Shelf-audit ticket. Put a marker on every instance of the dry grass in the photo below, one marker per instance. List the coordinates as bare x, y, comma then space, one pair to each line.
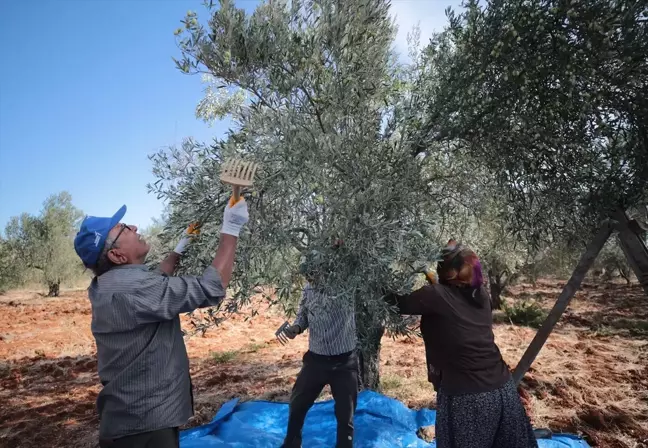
590, 378
584, 380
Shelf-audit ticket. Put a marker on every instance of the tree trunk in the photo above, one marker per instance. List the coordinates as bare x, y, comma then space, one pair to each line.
369, 355
495, 290
54, 289
626, 276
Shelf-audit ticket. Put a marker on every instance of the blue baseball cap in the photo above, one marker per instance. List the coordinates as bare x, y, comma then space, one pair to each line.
90, 240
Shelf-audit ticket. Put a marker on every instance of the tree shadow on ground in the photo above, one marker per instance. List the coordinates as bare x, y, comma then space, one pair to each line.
600, 312
51, 402
48, 402
617, 310
606, 309
246, 377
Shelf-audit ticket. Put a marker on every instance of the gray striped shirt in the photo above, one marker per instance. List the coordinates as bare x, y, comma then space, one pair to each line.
330, 322
142, 359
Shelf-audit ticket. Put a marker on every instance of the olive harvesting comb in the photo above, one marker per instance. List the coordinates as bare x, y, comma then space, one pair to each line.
239, 174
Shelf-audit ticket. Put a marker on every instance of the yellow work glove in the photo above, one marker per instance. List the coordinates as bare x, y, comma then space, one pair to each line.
192, 231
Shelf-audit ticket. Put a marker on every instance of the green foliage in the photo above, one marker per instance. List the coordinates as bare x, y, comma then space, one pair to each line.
327, 117
478, 215
44, 243
10, 273
551, 97
557, 259
474, 139
159, 245
524, 312
389, 383
319, 100
218, 102
255, 347
224, 357
612, 262
502, 253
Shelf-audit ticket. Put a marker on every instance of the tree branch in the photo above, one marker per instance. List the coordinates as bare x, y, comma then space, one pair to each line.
317, 112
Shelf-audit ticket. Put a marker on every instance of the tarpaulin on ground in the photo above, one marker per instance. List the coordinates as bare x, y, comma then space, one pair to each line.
380, 422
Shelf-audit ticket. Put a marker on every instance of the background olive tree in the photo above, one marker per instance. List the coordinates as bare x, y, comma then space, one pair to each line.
43, 245
10, 272
612, 263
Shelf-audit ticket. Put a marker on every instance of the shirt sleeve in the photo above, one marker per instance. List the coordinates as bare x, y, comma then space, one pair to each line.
422, 301
302, 312
487, 296
161, 297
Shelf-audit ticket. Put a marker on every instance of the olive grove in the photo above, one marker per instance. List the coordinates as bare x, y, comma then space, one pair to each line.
511, 130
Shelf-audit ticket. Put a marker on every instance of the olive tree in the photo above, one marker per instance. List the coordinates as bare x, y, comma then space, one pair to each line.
612, 262
317, 98
551, 95
503, 254
159, 247
478, 216
43, 243
10, 274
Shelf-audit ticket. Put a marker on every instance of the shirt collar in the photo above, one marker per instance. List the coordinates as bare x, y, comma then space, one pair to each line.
131, 266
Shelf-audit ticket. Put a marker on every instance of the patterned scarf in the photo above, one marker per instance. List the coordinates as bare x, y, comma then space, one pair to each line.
460, 267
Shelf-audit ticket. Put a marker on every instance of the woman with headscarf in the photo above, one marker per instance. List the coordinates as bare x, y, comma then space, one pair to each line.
477, 401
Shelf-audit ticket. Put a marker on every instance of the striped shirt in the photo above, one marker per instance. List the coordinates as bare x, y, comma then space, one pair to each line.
142, 359
330, 322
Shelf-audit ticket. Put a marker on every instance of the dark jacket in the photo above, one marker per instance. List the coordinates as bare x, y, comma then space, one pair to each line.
457, 329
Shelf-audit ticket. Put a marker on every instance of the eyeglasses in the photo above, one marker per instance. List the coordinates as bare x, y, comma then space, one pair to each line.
123, 227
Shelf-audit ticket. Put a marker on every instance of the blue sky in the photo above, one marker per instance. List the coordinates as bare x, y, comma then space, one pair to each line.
88, 90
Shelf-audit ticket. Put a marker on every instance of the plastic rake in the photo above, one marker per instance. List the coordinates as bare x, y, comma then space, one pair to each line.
239, 174
281, 336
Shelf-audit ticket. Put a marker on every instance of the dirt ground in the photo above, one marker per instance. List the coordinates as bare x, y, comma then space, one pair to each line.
591, 377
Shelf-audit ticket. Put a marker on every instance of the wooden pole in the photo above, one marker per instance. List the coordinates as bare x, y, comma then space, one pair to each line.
633, 247
586, 261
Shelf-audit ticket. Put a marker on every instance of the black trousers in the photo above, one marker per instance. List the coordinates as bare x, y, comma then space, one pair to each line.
341, 373
161, 438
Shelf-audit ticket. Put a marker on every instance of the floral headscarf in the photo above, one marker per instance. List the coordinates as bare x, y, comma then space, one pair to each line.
460, 266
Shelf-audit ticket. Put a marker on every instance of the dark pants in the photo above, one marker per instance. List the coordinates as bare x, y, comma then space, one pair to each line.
161, 438
341, 372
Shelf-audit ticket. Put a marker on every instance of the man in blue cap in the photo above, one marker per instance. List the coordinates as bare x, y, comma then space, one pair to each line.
142, 359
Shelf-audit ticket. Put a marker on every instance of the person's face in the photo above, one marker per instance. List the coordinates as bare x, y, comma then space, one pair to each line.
128, 247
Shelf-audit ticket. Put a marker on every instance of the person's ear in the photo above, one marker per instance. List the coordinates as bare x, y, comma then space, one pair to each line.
116, 256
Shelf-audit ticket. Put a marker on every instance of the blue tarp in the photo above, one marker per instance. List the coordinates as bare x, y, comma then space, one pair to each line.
379, 422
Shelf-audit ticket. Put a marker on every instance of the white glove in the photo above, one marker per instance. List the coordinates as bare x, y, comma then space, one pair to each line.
192, 231
235, 218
